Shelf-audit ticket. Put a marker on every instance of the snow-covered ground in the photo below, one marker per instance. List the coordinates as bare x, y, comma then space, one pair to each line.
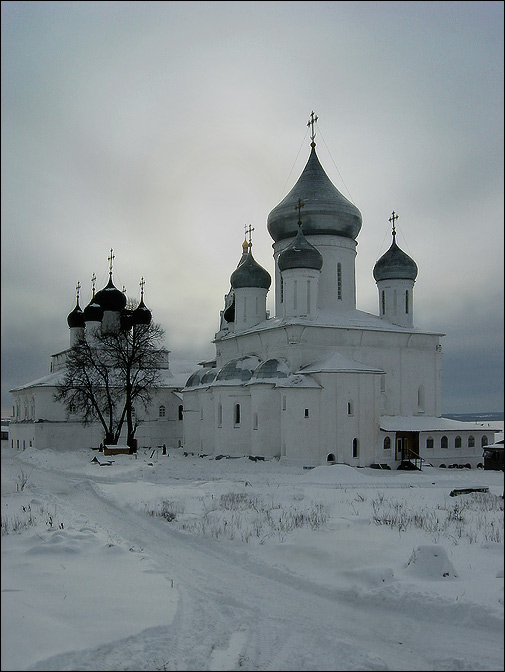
156, 562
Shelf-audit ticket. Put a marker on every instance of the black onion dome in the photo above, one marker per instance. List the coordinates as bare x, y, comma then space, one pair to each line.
300, 254
110, 298
93, 312
326, 211
250, 274
142, 314
76, 317
126, 319
394, 265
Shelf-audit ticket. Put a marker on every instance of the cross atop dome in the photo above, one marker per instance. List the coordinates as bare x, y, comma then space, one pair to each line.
299, 207
93, 283
111, 259
77, 288
142, 283
311, 122
392, 219
248, 231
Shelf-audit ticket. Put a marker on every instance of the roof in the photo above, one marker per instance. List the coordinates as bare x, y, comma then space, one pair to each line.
421, 423
343, 319
338, 363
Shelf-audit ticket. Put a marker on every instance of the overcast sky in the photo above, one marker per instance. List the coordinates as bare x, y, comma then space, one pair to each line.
161, 129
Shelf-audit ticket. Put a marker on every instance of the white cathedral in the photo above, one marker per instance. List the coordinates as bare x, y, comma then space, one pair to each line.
319, 382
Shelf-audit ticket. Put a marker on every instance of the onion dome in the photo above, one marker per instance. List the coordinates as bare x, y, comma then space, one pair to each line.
395, 264
229, 313
111, 298
93, 312
126, 319
250, 274
300, 254
142, 314
326, 210
76, 317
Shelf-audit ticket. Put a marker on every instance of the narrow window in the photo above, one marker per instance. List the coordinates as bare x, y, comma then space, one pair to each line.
306, 412
429, 443
471, 441
237, 414
201, 413
180, 411
161, 411
257, 306
383, 302
444, 443
387, 443
255, 421
295, 294
355, 448
282, 290
420, 399
245, 308
350, 410
394, 302
308, 296
407, 301
457, 442
383, 383
219, 414
284, 402
339, 281
484, 441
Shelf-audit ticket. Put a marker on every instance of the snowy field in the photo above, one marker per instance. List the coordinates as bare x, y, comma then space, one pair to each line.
160, 562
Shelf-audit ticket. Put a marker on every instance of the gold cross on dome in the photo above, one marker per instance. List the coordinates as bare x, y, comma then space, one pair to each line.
248, 231
299, 207
393, 219
311, 122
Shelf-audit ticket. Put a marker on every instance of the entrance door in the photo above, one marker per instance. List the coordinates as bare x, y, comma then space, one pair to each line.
402, 447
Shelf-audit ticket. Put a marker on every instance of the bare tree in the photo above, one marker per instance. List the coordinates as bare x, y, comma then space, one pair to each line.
105, 376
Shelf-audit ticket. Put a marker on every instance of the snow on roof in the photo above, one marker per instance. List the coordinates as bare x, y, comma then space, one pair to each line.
336, 362
167, 379
421, 423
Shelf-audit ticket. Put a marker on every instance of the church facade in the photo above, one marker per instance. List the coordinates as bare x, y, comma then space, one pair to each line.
321, 381
39, 421
318, 382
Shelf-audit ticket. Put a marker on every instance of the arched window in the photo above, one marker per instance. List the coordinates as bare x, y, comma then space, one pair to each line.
471, 441
457, 442
429, 442
237, 414
407, 301
383, 302
339, 281
387, 443
444, 442
255, 421
181, 410
330, 458
161, 411
355, 447
484, 441
282, 290
219, 414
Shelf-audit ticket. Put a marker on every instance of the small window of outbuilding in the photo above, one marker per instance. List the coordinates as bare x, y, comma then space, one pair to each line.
161, 411
444, 442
